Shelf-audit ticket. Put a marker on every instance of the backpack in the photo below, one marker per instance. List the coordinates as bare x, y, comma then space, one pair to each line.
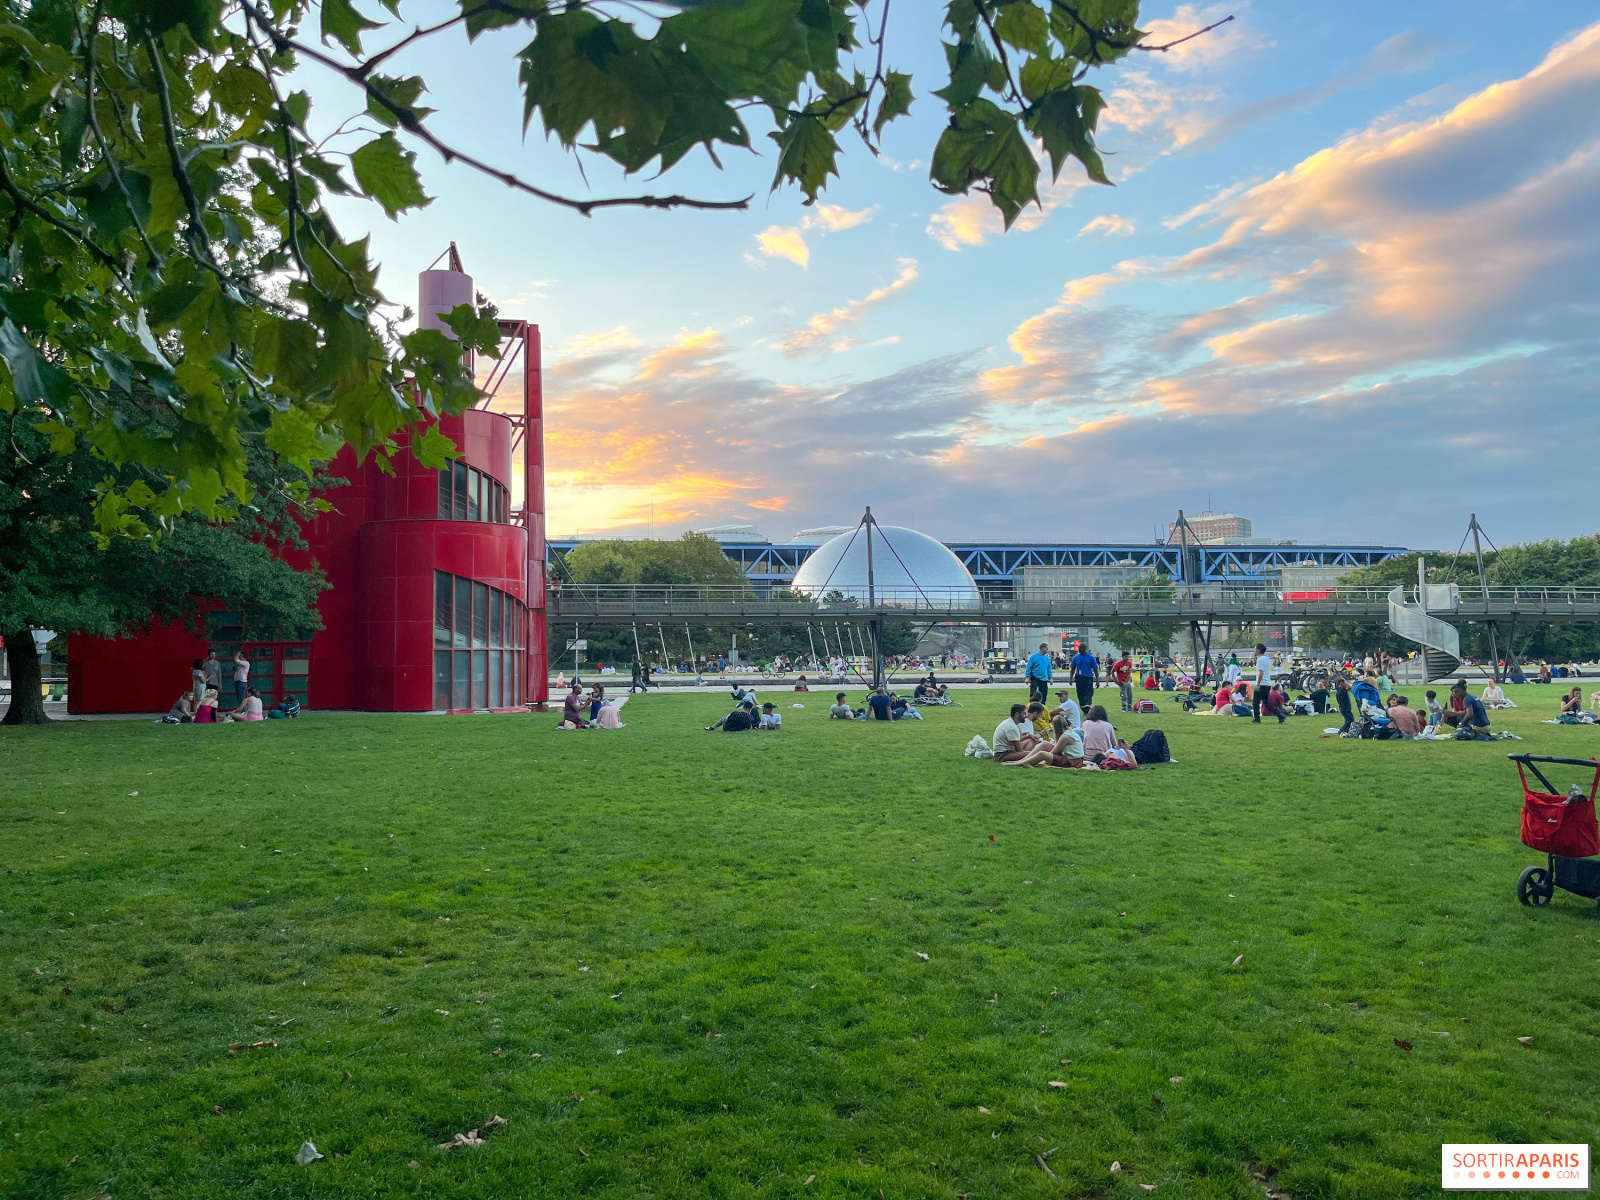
1151, 748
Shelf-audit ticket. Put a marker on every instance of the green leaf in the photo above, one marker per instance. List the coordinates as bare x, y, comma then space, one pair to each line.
433, 449
294, 437
239, 91
286, 352
344, 24
983, 145
74, 123
1024, 26
896, 100
404, 92
807, 153
155, 17
387, 172
497, 14
32, 378
1064, 121
479, 331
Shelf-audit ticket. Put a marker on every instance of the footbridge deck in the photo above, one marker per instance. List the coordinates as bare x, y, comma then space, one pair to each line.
624, 604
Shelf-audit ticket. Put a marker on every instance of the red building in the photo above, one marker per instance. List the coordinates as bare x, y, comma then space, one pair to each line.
437, 583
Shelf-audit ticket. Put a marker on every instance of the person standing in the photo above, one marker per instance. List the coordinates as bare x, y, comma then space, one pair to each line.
1341, 693
1122, 672
197, 681
213, 672
1039, 673
1085, 673
1234, 672
637, 684
1263, 685
241, 674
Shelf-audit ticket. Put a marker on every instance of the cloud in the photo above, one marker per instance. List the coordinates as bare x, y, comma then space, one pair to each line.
1404, 52
814, 335
788, 241
1408, 250
1109, 224
1429, 286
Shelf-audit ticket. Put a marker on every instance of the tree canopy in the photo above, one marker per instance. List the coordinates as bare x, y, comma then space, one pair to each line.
175, 289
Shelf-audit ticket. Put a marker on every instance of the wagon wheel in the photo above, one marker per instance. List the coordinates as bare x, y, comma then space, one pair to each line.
1534, 886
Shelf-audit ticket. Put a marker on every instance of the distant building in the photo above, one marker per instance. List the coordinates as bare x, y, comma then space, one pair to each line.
819, 534
1211, 527
738, 534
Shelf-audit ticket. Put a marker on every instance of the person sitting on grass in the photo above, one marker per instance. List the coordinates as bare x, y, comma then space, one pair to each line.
1571, 703
181, 712
1241, 705
841, 710
882, 707
1014, 737
1275, 704
1099, 736
572, 709
206, 714
1406, 719
1435, 709
609, 718
1493, 697
801, 685
1224, 704
901, 708
1041, 720
1472, 717
287, 710
771, 718
1066, 714
250, 707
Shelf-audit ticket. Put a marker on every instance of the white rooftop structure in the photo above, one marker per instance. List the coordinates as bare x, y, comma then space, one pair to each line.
907, 568
733, 533
819, 534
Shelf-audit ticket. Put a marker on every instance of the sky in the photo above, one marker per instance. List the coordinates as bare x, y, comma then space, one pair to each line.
1347, 284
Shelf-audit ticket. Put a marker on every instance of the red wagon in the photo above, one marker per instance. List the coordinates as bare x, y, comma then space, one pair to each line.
1564, 827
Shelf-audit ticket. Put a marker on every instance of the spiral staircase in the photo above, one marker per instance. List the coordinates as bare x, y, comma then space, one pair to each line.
1440, 642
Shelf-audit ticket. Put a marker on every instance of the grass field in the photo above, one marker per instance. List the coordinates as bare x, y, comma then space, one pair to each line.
691, 965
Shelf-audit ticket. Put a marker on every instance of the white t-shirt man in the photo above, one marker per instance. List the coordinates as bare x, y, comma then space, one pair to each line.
241, 670
842, 712
1008, 735
1264, 669
771, 720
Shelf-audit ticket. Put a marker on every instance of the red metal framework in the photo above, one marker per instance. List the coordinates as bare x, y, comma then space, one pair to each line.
528, 426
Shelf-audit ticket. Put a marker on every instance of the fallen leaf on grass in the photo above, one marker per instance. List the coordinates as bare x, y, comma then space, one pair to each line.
991, 836
583, 1152
290, 1021
1238, 960
538, 1056
133, 793
1438, 1033
1066, 1062
414, 1165
576, 1095
307, 1153
809, 1180
72, 1160
497, 1119
920, 955
1402, 1045
443, 1012
983, 1110
1147, 1187
216, 1110
1044, 1166
1527, 1041
1057, 1083
996, 999
240, 1047
1176, 1079
1116, 1168
583, 968
36, 971
66, 991
469, 1138
1157, 1100
496, 1051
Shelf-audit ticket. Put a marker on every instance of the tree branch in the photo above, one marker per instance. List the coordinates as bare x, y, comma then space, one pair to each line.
198, 239
24, 203
1186, 37
91, 72
408, 121
371, 65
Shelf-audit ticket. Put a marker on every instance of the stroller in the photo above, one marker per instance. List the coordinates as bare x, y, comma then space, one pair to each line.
1564, 827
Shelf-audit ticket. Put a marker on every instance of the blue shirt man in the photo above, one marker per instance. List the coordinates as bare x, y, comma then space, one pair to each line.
1039, 672
1085, 667
880, 705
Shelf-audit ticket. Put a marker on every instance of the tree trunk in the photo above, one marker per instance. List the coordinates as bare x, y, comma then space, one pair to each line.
27, 705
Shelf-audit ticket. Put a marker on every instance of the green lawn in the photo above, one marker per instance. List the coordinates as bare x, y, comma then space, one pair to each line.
682, 964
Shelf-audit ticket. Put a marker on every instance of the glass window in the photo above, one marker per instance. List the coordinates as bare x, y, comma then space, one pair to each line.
499, 504
480, 614
513, 623
460, 693
480, 679
441, 679
496, 618
474, 496
446, 489
459, 507
516, 679
494, 679
443, 589
463, 612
